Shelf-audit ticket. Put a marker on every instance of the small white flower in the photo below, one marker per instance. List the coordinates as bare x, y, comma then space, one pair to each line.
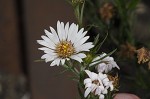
68, 42
97, 84
106, 64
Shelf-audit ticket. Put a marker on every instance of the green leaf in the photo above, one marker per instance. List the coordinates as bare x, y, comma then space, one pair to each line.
71, 68
74, 78
132, 4
97, 47
96, 40
80, 92
81, 14
62, 72
40, 60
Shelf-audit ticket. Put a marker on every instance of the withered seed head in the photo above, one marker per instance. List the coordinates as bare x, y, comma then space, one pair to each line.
143, 55
127, 50
107, 11
114, 79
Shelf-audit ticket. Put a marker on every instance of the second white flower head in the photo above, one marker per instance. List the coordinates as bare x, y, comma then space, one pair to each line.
106, 64
68, 42
98, 84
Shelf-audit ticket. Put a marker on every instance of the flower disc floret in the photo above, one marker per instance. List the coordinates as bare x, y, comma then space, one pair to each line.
65, 49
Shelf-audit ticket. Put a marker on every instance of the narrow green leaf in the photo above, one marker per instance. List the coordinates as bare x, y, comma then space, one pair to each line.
40, 60
96, 40
132, 4
81, 14
62, 72
80, 92
74, 78
97, 47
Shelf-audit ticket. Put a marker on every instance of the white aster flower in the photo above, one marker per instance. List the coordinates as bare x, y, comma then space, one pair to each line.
106, 64
98, 84
68, 42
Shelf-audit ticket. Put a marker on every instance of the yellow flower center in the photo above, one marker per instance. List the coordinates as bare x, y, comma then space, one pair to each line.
64, 49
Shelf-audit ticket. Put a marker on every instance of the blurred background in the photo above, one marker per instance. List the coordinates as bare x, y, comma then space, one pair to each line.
22, 23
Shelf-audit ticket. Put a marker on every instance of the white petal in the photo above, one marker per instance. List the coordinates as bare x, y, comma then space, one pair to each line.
45, 38
75, 57
49, 34
59, 30
87, 91
45, 48
48, 59
111, 87
88, 72
115, 65
62, 61
108, 68
74, 34
101, 96
71, 29
80, 42
55, 62
101, 67
63, 31
66, 29
98, 91
52, 38
84, 47
92, 75
105, 91
93, 87
95, 59
41, 42
81, 55
62, 24
101, 87
81, 31
88, 85
47, 56
87, 80
48, 51
58, 61
55, 36
79, 37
